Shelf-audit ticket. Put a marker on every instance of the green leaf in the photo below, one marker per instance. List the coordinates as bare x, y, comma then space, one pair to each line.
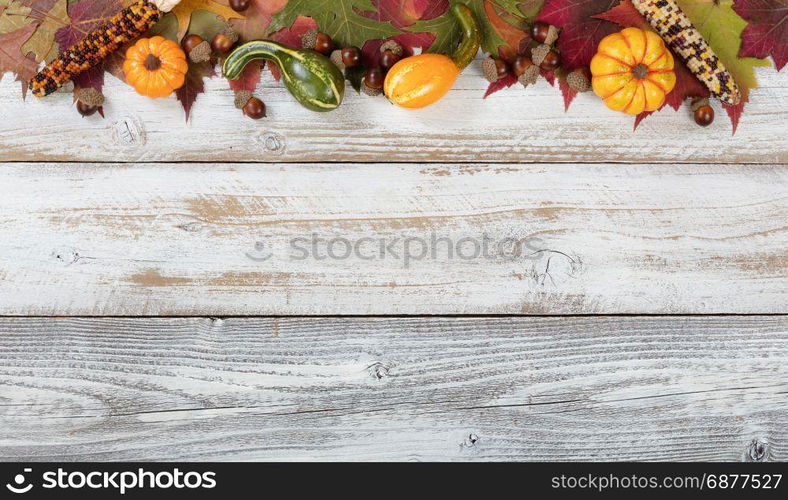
341, 19
722, 28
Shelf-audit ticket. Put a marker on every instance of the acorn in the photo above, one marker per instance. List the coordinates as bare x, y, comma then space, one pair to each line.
239, 5
544, 33
190, 42
351, 56
254, 109
388, 59
579, 80
702, 111
323, 44
545, 57
521, 64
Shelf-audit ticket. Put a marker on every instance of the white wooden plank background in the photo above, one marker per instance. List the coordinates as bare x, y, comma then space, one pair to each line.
654, 388
514, 125
693, 222
176, 239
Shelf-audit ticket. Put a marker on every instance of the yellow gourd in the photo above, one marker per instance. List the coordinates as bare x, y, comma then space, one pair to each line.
155, 67
418, 81
632, 71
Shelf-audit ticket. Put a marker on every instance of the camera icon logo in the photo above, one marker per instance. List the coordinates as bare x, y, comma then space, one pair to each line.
19, 483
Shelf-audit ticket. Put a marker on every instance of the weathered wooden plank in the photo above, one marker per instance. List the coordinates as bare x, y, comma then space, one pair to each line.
515, 125
574, 388
185, 239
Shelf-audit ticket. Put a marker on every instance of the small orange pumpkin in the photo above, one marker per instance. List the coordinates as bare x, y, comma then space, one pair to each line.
632, 71
155, 66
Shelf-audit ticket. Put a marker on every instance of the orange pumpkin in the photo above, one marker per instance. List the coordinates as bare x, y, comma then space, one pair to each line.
632, 71
155, 66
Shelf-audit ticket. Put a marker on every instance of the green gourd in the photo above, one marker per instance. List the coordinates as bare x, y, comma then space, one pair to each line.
315, 81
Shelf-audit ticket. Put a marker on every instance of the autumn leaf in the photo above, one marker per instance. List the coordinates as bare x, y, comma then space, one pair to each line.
183, 12
51, 15
257, 19
194, 86
11, 57
341, 19
767, 31
581, 32
501, 24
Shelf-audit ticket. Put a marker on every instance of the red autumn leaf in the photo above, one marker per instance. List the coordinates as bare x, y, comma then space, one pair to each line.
767, 31
501, 84
195, 85
249, 79
581, 32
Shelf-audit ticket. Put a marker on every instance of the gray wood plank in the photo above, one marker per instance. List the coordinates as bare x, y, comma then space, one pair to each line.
514, 125
182, 239
540, 388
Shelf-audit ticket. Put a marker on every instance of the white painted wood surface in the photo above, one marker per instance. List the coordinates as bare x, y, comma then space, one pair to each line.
597, 388
180, 239
514, 125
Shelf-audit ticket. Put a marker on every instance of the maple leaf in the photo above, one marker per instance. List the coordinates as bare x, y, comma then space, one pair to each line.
183, 12
11, 57
401, 14
195, 85
581, 32
343, 20
52, 15
767, 31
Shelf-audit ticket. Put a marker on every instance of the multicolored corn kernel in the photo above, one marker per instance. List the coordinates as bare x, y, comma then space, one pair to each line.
675, 28
127, 25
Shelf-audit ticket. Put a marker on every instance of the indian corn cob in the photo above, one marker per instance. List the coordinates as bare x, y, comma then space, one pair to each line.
667, 18
128, 24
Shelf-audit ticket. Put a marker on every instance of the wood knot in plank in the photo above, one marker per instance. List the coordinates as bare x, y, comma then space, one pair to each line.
757, 451
128, 133
273, 143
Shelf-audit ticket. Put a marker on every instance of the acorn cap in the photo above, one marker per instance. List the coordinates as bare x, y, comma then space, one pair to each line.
201, 52
242, 97
230, 33
309, 39
552, 35
699, 102
578, 81
539, 53
89, 96
336, 58
490, 70
392, 46
370, 91
530, 76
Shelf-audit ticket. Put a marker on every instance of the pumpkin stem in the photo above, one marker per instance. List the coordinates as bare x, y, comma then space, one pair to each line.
152, 63
640, 71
